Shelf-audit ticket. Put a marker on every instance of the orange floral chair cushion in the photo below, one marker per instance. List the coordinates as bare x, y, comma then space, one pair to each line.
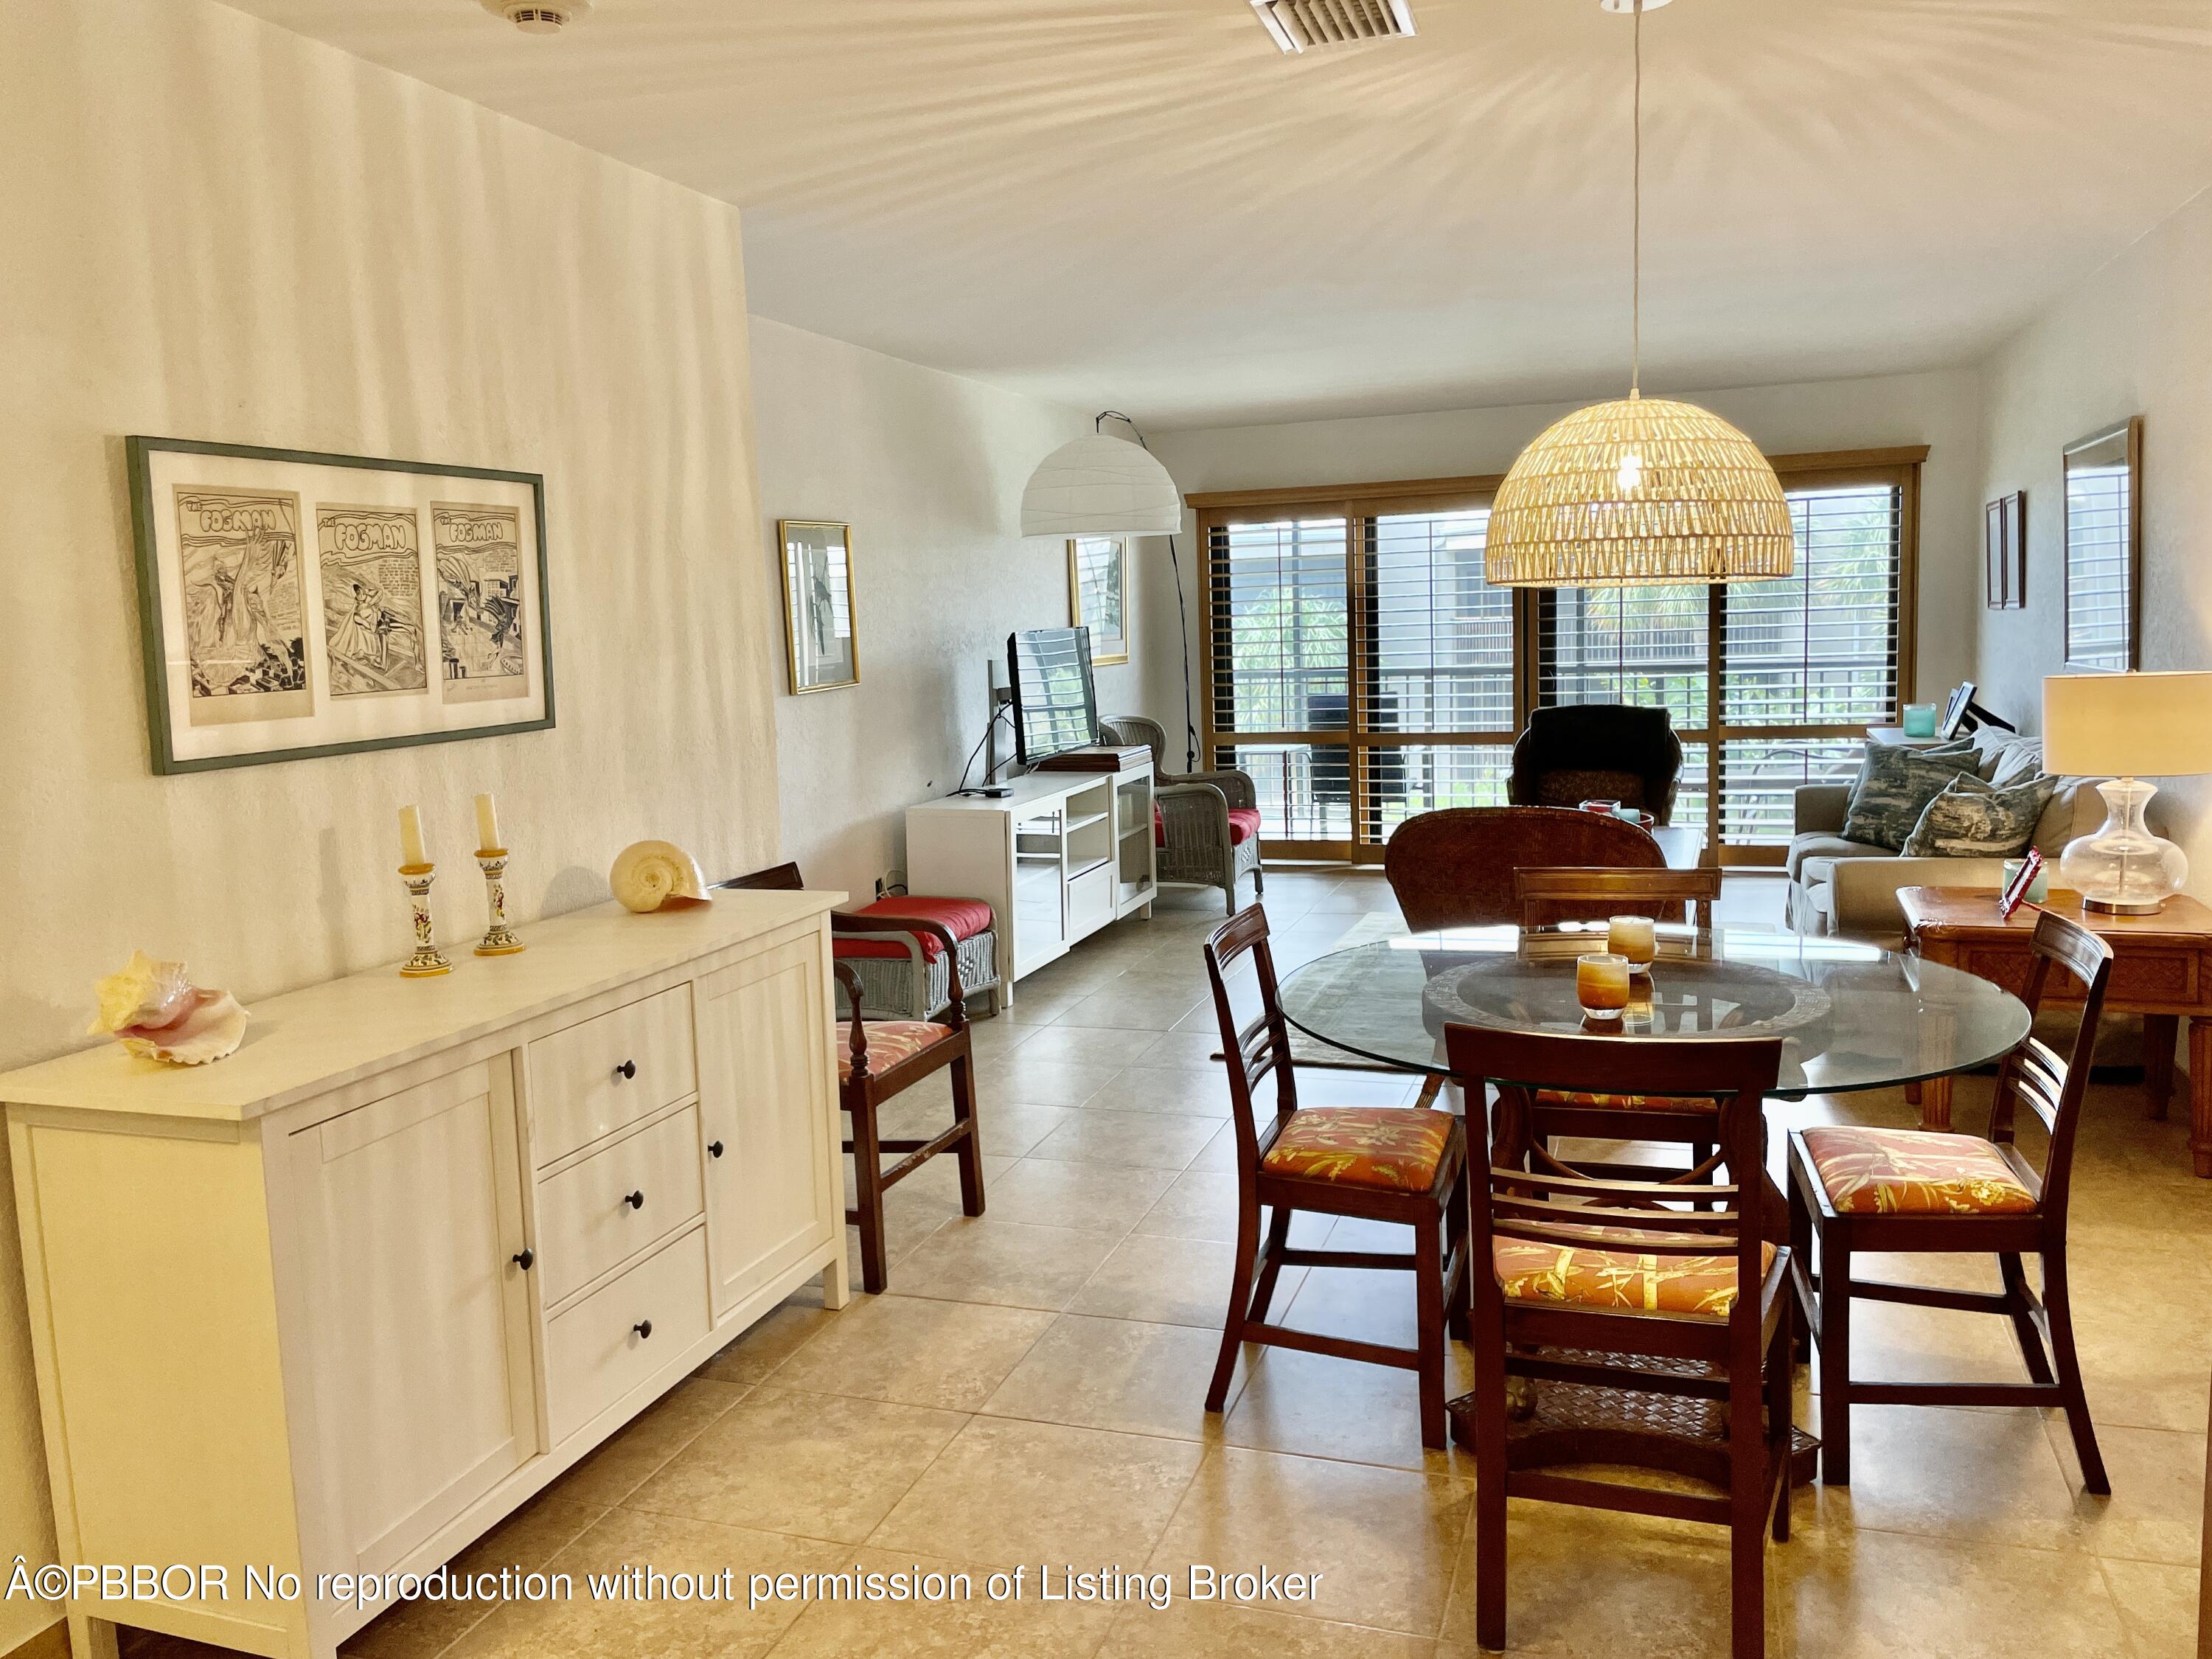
1702, 1287
1395, 1148
1626, 1102
890, 1042
1913, 1172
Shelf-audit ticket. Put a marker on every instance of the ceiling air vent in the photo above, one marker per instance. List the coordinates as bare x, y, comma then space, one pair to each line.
1295, 25
539, 16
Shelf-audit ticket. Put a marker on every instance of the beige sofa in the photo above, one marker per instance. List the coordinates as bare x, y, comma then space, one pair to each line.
1850, 888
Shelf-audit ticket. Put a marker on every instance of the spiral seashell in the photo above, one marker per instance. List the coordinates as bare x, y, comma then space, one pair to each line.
153, 1010
656, 875
144, 993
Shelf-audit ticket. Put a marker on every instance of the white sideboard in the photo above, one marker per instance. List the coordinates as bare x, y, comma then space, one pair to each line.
340, 1301
1061, 855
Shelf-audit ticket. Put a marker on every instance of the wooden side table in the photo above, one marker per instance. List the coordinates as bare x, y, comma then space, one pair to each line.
2162, 970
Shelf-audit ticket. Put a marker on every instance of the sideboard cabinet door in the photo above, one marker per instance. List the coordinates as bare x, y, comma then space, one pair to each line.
410, 1215
766, 1101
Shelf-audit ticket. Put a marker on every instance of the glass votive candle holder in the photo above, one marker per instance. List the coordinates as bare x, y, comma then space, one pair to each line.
1601, 985
1920, 720
1634, 937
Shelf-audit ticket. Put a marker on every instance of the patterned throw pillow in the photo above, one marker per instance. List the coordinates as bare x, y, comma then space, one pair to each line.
1894, 787
1971, 820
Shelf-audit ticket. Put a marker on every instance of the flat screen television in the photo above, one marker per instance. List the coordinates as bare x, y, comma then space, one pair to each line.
1056, 705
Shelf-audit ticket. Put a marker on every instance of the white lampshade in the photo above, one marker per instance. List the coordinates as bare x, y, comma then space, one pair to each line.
1101, 486
2127, 726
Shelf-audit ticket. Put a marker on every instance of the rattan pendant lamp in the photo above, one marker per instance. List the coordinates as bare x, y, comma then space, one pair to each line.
1642, 490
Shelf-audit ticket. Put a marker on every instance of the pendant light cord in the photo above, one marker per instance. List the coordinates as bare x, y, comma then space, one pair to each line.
1636, 223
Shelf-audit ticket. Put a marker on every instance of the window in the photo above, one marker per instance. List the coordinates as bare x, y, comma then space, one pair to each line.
1362, 672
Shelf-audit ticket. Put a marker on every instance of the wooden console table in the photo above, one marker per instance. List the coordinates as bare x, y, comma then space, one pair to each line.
2162, 970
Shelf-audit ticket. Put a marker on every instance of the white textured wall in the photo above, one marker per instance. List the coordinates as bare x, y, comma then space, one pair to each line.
928, 468
2135, 339
1942, 410
220, 230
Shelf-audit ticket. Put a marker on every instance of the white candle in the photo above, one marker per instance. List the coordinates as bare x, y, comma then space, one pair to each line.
488, 839
410, 837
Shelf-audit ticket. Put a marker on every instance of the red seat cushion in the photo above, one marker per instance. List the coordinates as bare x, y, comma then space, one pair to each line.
1243, 824
960, 917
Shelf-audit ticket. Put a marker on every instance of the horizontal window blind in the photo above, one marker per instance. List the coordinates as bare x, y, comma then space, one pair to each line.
2097, 512
1442, 641
1648, 646
1819, 647
1278, 608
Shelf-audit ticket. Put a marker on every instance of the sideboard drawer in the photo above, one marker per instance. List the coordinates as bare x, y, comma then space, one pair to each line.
591, 1079
616, 1202
617, 1337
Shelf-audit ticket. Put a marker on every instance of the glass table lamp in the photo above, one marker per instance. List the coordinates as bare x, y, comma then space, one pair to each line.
2135, 725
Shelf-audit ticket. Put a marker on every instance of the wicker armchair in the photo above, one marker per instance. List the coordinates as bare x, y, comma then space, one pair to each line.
1206, 823
902, 971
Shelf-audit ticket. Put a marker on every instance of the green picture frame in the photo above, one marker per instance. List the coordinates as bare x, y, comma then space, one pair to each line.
294, 604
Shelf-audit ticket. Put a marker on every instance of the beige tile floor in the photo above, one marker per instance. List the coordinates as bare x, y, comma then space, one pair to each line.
1029, 1391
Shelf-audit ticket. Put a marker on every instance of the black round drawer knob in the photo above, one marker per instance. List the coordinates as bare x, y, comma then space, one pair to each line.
627, 1070
644, 1328
714, 1149
525, 1258
635, 1200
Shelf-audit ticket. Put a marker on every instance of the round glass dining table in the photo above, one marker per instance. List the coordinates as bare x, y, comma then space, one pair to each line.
1850, 1016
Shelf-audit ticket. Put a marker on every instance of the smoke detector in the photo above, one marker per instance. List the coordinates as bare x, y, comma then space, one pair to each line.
539, 16
1296, 25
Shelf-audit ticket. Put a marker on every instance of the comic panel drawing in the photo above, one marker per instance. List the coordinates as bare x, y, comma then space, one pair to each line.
481, 646
370, 563
245, 624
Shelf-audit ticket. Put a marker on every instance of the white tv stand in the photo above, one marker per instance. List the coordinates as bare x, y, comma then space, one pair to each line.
1059, 856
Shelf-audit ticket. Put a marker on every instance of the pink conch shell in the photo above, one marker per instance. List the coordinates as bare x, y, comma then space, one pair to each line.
158, 1013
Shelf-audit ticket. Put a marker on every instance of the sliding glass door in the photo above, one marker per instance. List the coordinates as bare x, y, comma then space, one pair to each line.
1362, 672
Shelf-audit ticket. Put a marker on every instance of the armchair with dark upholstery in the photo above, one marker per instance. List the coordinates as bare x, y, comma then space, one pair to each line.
1206, 824
1597, 750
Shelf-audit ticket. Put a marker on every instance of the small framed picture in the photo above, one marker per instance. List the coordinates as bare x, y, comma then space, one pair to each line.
823, 652
1098, 594
293, 604
2004, 550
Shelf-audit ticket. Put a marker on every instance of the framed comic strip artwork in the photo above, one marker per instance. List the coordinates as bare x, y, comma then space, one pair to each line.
821, 634
1098, 594
293, 604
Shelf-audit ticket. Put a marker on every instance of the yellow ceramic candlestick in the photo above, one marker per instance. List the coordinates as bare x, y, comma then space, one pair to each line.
427, 960
498, 940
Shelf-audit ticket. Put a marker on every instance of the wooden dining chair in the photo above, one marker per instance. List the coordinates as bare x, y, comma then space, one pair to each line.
1455, 868
1655, 1318
1551, 894
1392, 1164
1854, 1190
879, 1059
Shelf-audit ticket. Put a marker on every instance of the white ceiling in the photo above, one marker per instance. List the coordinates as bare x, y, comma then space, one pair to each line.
1140, 202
